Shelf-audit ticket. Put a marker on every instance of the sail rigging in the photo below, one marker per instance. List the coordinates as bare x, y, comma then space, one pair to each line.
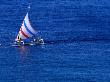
26, 30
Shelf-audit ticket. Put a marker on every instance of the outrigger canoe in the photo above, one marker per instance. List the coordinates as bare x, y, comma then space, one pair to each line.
26, 32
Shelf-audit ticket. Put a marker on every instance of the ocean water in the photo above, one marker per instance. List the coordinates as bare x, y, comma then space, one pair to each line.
76, 35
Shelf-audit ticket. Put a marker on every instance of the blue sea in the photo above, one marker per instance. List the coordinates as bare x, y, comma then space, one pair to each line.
76, 35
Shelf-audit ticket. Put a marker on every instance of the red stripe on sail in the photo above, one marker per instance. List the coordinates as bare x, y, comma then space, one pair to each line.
24, 33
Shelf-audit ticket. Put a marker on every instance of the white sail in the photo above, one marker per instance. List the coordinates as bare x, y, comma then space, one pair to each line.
26, 29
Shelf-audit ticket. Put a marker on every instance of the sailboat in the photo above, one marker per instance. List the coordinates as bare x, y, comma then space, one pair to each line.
27, 32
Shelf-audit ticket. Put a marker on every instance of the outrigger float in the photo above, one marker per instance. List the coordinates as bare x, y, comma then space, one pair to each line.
27, 32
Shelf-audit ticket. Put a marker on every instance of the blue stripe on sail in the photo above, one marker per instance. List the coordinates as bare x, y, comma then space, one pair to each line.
27, 28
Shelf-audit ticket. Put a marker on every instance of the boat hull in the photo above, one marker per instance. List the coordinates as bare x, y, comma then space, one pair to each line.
26, 44
34, 42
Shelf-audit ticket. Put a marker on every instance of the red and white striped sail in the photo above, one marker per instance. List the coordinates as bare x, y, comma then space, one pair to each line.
26, 30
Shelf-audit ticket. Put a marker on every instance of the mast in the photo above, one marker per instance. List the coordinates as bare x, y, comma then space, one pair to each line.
29, 7
26, 30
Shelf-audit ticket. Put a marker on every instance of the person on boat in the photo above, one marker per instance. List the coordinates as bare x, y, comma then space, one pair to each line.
18, 39
38, 40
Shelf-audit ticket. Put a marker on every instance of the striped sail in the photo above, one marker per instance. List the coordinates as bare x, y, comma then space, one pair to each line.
26, 30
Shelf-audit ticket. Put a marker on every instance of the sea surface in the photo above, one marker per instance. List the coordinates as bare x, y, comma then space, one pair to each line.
76, 35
